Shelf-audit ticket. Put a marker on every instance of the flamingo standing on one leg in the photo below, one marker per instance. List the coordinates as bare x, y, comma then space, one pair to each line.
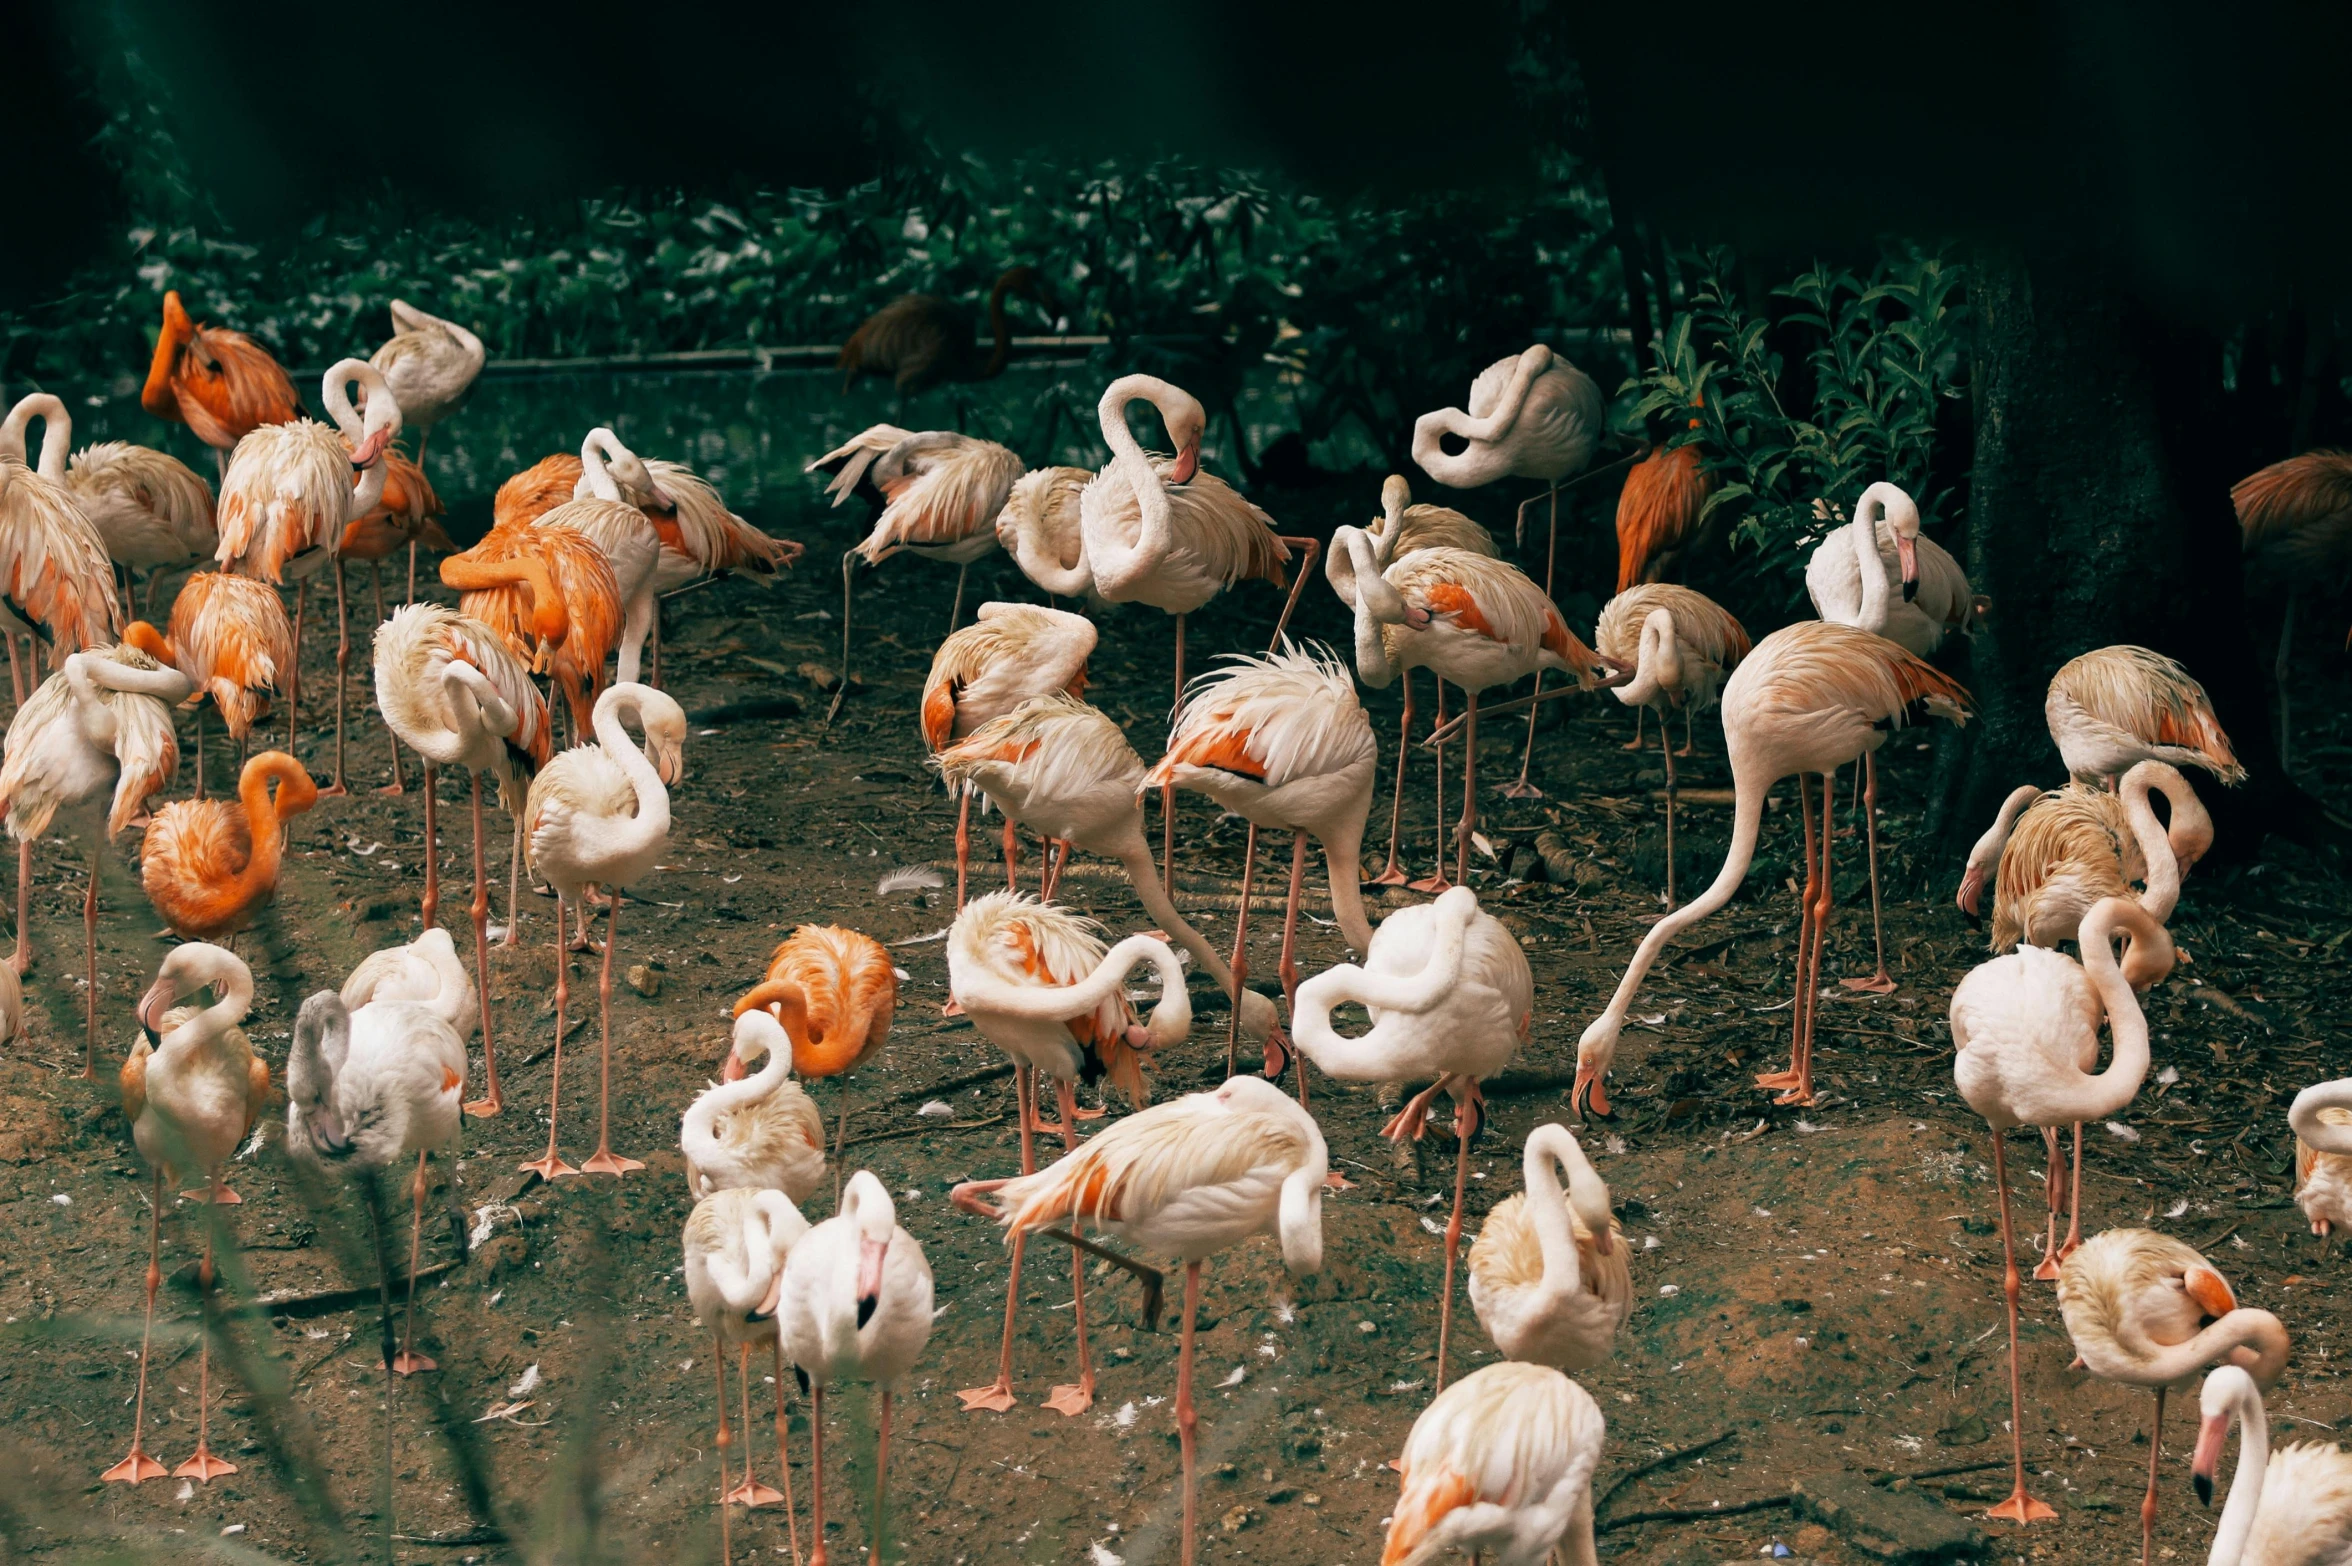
1186, 1179
56, 584
1163, 533
287, 497
2115, 707
220, 383
2296, 517
1064, 770
1536, 416
1548, 1272
1283, 742
1402, 529
2025, 1031
149, 509
1450, 996
103, 720
190, 1098
1504, 1463
432, 365
599, 815
210, 866
856, 1306
1679, 645
1039, 983
1808, 699
408, 514
2322, 1120
1007, 655
1474, 621
230, 636
2146, 1310
450, 691
737, 1241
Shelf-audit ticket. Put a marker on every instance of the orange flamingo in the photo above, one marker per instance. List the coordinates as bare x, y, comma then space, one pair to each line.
549, 593
230, 636
56, 583
209, 866
1658, 511
221, 384
920, 340
2296, 517
847, 989
286, 498
150, 510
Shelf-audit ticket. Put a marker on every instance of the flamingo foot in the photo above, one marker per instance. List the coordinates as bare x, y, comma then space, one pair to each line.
550, 1169
1800, 1094
752, 1493
481, 1108
204, 1467
1635, 743
1520, 789
133, 1469
21, 961
224, 1197
1432, 884
606, 1161
407, 1363
334, 791
996, 1398
1877, 984
581, 943
2047, 1272
2022, 1508
1071, 1400
1771, 1080
953, 1008
393, 788
1394, 875
1333, 1180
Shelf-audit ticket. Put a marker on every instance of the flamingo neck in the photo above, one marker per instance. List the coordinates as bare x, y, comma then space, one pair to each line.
1547, 1210
1362, 584
2088, 1096
2164, 869
700, 1130
1035, 553
232, 982
595, 452
1657, 669
1117, 564
651, 825
56, 433
1869, 569
475, 703
2245, 1492
2303, 1116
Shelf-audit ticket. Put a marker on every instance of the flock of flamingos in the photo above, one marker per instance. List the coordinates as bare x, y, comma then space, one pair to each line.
1499, 1466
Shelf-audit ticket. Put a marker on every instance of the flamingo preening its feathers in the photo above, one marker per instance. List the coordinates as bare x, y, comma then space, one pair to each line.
220, 383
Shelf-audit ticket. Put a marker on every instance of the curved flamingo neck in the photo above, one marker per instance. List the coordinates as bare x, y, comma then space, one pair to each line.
158, 397
2303, 1116
1657, 668
232, 982
263, 818
651, 824
2089, 1096
1547, 1211
1116, 564
1870, 572
2164, 870
1374, 600
1034, 552
600, 447
2245, 1492
56, 433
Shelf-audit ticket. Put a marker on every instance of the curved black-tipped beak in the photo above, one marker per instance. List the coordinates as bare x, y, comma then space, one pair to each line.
866, 1304
2204, 1484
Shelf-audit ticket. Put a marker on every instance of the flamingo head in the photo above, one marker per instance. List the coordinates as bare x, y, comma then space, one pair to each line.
1593, 1054
370, 449
2217, 1402
1971, 898
1186, 429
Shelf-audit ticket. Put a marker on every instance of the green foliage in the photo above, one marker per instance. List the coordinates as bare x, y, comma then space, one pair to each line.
1880, 358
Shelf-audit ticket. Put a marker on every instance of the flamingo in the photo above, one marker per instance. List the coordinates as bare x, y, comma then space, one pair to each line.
2025, 1029
1401, 529
941, 495
623, 532
56, 584
1503, 1462
1039, 983
1450, 996
1474, 621
1065, 770
450, 691
847, 994
104, 719
1548, 1273
2146, 1310
2293, 1508
1808, 699
190, 1097
287, 497
431, 365
2114, 707
856, 1306
150, 510
549, 594
922, 340
1531, 416
1282, 742
408, 514
2322, 1120
598, 815
1658, 511
737, 1241
220, 383
701, 538
1163, 533
210, 867
1040, 529
755, 1131
1187, 1179
1680, 645
1008, 654
230, 637
2296, 518
425, 971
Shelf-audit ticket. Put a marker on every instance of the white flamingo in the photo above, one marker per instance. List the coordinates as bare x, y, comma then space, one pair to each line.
1548, 1272
755, 1130
599, 509
2290, 1508
737, 1241
1502, 1461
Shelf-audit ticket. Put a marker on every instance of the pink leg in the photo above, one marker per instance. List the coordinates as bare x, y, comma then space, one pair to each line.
1436, 880
294, 675
2020, 1507
1288, 967
552, 1167
139, 1466
491, 1103
1393, 874
430, 908
784, 1457
750, 1492
342, 667
1469, 822
817, 1473
1802, 1092
726, 1440
1188, 1421
408, 1361
1806, 937
398, 785
22, 961
2148, 1502
90, 967
963, 846
1464, 1123
1878, 983
997, 1397
1308, 549
1012, 855
203, 1467
604, 1160
882, 1464
1249, 868
1168, 794
1666, 749
1079, 1398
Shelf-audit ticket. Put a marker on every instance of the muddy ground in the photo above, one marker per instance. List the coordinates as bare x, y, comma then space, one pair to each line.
1816, 1291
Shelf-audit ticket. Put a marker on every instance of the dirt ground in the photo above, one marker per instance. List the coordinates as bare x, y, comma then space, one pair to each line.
1816, 1291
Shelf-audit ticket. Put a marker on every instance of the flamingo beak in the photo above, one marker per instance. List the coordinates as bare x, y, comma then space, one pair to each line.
371, 448
1187, 464
1590, 1091
152, 1006
664, 499
1907, 556
1971, 890
2210, 1435
774, 1297
1417, 617
732, 1071
869, 1278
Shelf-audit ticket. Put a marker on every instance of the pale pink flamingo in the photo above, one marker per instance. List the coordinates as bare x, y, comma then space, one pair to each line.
1680, 645
1040, 528
1502, 1462
1039, 983
737, 1240
1548, 1272
2025, 1035
1474, 621
2291, 1508
56, 583
449, 690
754, 1130
86, 751
2296, 517
286, 498
1450, 997
2322, 1120
1282, 742
190, 1097
600, 510
856, 1306
431, 365
1008, 654
2114, 707
150, 509
1185, 1179
1810, 698
701, 538
230, 636
599, 815
2145, 1310
1064, 770
1878, 573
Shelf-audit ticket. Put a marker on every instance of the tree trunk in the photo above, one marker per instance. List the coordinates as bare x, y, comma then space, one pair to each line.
2100, 513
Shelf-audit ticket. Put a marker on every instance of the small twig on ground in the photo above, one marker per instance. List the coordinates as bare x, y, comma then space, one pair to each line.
1663, 1460
952, 1125
951, 1085
453, 1540
325, 1302
1692, 1513
1942, 1473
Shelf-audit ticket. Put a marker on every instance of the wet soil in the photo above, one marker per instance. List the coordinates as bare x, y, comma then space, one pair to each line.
1817, 1290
